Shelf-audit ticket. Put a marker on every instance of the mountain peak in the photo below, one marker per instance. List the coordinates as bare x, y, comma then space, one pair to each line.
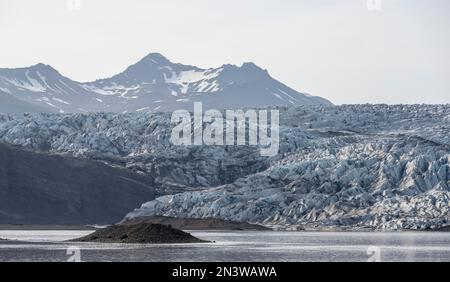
155, 58
41, 65
246, 66
43, 68
252, 67
247, 72
37, 67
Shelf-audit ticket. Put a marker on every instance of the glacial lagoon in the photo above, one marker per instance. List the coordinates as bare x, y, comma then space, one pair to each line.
238, 246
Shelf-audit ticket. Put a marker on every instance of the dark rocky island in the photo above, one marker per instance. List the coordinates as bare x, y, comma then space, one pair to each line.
196, 223
140, 233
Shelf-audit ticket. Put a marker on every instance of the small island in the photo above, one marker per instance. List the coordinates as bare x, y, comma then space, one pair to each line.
140, 233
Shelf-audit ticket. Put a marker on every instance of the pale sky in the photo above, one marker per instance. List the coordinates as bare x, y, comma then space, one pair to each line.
337, 49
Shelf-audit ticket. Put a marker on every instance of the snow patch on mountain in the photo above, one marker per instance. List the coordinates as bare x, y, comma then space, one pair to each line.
154, 78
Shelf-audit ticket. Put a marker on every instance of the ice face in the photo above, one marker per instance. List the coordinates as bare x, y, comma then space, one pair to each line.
357, 166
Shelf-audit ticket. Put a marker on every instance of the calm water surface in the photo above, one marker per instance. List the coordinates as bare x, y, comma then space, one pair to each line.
235, 246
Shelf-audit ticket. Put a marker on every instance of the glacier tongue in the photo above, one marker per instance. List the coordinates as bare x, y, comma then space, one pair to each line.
354, 166
394, 186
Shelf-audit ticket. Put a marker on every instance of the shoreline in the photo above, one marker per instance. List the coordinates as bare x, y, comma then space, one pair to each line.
12, 227
49, 227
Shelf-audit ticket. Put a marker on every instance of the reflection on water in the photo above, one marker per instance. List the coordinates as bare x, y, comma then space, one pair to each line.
236, 246
42, 235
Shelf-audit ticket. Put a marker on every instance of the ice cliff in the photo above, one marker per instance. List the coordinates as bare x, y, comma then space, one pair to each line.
352, 166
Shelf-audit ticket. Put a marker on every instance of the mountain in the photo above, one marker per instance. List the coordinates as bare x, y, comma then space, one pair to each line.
37, 188
43, 86
10, 105
152, 84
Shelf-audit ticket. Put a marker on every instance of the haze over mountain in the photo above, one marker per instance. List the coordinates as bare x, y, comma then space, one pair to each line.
152, 84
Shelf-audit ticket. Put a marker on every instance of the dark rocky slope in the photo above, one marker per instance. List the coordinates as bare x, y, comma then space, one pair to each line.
40, 188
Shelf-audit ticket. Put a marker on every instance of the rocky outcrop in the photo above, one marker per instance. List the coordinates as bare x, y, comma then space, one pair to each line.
140, 233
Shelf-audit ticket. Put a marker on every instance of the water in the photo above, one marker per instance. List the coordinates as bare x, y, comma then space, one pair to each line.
236, 246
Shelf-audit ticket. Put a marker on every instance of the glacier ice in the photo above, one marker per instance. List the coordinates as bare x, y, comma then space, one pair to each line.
350, 166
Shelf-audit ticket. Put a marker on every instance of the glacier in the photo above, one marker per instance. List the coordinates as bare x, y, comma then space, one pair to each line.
349, 167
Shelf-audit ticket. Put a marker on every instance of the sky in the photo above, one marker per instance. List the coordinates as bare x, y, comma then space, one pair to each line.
347, 51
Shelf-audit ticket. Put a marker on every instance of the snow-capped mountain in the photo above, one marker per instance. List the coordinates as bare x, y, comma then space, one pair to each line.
45, 89
152, 84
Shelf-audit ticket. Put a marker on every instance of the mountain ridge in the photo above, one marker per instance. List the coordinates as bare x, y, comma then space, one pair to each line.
153, 84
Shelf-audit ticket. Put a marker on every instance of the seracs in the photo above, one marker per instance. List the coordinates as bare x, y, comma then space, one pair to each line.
212, 129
